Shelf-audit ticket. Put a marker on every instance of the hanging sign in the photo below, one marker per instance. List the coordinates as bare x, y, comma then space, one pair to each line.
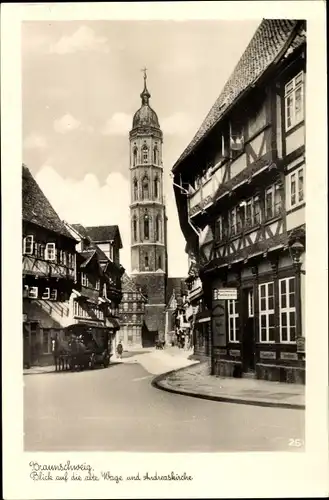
227, 294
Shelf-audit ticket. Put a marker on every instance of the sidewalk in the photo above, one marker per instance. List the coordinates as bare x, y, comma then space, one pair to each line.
34, 370
195, 381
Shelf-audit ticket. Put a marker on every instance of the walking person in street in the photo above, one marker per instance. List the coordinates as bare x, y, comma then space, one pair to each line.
119, 350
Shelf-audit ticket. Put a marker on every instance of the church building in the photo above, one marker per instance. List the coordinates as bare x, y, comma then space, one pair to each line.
148, 215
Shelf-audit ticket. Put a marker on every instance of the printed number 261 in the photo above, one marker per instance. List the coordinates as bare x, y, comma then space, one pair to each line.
296, 442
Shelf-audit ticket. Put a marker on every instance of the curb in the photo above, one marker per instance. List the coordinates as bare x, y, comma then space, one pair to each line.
156, 383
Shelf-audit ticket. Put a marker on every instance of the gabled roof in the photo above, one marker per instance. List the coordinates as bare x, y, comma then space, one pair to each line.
128, 285
271, 39
103, 234
37, 209
81, 230
87, 256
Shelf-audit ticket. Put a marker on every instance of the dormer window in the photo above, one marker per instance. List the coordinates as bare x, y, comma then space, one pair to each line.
28, 245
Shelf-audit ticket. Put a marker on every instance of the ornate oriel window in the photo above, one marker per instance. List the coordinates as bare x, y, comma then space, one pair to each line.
156, 187
145, 188
145, 154
146, 226
135, 185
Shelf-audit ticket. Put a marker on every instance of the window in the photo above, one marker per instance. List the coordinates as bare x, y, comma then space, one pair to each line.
125, 306
145, 188
250, 304
287, 310
233, 318
50, 251
84, 279
294, 101
104, 290
236, 138
146, 261
156, 187
135, 184
266, 312
42, 249
232, 221
46, 293
135, 157
46, 341
252, 212
53, 294
155, 155
215, 294
157, 228
75, 308
224, 146
33, 292
146, 227
135, 228
272, 201
296, 187
145, 154
98, 285
28, 245
134, 318
134, 306
159, 262
219, 228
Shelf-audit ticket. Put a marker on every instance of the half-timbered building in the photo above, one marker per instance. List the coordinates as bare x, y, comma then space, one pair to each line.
48, 273
244, 214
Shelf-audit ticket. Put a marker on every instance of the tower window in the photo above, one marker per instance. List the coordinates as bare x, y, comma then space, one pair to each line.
156, 187
155, 155
146, 227
145, 154
135, 189
145, 187
157, 228
135, 157
135, 228
159, 262
146, 261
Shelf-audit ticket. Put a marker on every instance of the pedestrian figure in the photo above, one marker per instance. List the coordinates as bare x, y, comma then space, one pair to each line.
119, 350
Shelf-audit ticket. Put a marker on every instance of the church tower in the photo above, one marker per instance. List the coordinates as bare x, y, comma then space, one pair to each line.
148, 214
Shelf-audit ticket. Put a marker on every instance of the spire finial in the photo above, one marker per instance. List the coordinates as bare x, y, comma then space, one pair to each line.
145, 95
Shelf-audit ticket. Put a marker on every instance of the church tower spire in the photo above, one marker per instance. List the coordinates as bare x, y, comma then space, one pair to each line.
148, 213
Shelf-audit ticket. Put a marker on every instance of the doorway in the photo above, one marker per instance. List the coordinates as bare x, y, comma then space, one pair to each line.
248, 333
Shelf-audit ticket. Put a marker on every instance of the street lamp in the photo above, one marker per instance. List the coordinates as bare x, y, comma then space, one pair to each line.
296, 250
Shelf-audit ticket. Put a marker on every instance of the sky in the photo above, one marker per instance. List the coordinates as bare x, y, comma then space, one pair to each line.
81, 85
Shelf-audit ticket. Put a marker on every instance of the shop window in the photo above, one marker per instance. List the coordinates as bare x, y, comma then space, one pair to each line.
28, 245
50, 251
296, 188
33, 292
273, 202
233, 319
294, 101
266, 312
46, 293
287, 310
46, 341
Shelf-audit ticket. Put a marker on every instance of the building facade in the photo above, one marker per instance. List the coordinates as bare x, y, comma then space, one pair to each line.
148, 214
244, 217
49, 273
132, 334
